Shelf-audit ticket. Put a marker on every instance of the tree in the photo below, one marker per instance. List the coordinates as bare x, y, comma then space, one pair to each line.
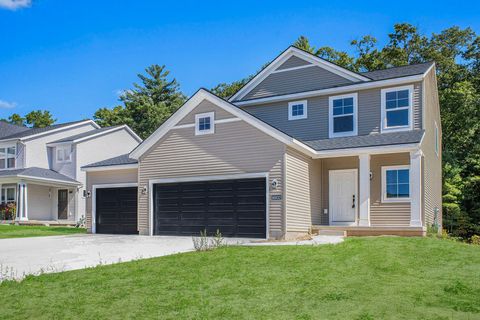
15, 119
147, 105
39, 119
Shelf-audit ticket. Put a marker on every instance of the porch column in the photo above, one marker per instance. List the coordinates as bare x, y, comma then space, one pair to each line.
22, 209
416, 188
364, 197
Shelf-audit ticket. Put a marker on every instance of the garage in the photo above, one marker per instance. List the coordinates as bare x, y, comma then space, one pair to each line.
237, 208
116, 210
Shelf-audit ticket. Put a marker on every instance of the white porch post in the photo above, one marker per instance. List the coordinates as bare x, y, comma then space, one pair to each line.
364, 198
25, 201
416, 188
20, 202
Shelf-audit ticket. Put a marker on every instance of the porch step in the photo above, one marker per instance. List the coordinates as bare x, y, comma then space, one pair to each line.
46, 223
330, 232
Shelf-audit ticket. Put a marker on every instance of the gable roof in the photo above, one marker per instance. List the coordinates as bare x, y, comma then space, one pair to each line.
97, 132
37, 131
7, 129
402, 71
284, 56
193, 102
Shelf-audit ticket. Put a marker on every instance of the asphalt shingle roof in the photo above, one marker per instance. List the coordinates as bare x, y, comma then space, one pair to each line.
7, 129
85, 134
123, 159
397, 72
372, 140
36, 172
32, 131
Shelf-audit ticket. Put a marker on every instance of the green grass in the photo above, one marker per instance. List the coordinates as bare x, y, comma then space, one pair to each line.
362, 278
12, 231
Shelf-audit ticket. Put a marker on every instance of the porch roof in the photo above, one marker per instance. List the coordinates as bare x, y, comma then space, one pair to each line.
372, 140
38, 174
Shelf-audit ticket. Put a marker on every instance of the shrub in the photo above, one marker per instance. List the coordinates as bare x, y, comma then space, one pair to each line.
8, 211
475, 239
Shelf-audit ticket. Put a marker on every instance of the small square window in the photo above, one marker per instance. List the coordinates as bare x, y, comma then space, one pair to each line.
297, 110
204, 123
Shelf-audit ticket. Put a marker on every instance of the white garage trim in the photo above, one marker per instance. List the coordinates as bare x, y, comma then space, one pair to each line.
265, 175
94, 198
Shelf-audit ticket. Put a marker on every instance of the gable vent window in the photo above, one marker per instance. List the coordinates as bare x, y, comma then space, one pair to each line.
397, 108
297, 110
343, 115
204, 123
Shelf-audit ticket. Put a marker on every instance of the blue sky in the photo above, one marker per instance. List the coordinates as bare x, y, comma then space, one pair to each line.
72, 57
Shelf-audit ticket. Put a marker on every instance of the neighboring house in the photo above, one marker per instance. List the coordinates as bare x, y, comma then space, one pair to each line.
304, 145
40, 167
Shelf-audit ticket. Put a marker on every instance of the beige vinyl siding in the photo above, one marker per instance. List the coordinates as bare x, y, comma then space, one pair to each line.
386, 214
293, 62
106, 177
203, 107
333, 164
302, 191
234, 148
432, 164
305, 79
316, 125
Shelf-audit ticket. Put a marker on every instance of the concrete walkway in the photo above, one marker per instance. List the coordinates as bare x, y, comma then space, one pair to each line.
24, 256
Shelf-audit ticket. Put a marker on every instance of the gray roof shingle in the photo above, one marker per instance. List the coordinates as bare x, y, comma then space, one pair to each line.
85, 134
32, 131
7, 129
119, 160
396, 72
372, 140
39, 173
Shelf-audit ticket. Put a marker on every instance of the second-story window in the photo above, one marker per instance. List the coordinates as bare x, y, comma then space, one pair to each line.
343, 115
297, 110
397, 108
64, 153
7, 157
204, 123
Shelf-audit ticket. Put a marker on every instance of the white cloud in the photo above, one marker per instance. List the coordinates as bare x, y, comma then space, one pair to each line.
15, 4
6, 104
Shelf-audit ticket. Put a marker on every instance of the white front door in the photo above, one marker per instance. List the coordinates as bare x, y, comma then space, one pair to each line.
343, 197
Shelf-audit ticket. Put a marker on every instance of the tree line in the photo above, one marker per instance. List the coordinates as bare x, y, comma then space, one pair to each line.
456, 52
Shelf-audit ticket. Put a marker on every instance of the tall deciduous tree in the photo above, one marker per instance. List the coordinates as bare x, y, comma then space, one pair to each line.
39, 119
147, 105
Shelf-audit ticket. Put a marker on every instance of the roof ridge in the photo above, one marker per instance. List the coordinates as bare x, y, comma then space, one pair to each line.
406, 65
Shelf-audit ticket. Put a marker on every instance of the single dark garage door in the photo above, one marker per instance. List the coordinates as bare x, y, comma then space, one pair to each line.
116, 210
235, 207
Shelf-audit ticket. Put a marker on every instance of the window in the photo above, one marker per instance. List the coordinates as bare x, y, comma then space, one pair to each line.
343, 115
437, 139
396, 184
8, 194
7, 157
397, 108
297, 110
64, 153
204, 123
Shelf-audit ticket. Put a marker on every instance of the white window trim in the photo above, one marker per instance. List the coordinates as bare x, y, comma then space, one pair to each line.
305, 110
6, 156
384, 185
332, 134
383, 124
437, 139
210, 115
4, 192
63, 149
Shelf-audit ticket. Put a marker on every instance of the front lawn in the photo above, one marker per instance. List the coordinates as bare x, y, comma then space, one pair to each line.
362, 278
13, 231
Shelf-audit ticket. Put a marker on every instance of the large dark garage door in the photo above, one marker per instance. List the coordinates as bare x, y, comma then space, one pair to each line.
116, 210
235, 207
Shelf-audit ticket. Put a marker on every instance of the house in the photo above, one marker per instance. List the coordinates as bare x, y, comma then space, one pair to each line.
304, 145
40, 167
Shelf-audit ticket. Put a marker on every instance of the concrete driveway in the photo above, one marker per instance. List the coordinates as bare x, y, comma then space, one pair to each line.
24, 256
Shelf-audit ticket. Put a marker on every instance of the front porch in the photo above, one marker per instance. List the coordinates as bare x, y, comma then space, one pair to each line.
40, 199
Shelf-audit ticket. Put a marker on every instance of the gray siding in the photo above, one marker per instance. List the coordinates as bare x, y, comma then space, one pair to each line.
316, 125
432, 163
293, 81
206, 106
293, 62
234, 148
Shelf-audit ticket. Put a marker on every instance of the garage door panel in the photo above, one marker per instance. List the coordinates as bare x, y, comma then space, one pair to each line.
235, 207
116, 210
